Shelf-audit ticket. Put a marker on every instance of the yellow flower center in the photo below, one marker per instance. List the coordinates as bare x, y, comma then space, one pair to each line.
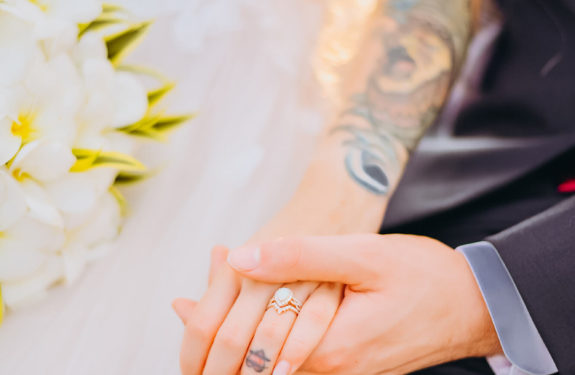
24, 127
20, 177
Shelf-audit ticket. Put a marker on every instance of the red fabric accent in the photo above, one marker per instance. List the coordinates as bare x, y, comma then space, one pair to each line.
567, 187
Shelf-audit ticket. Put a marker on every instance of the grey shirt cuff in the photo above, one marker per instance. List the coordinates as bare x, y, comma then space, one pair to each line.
517, 333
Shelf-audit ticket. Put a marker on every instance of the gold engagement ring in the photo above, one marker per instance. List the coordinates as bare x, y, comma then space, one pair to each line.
284, 300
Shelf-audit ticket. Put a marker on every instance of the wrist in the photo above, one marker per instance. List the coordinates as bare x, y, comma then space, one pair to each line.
480, 339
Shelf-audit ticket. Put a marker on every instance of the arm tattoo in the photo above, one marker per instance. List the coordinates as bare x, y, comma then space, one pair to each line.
257, 360
423, 45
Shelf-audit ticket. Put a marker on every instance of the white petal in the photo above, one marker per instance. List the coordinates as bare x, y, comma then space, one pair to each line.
58, 37
90, 46
40, 205
17, 49
25, 292
17, 261
93, 140
98, 74
75, 259
101, 179
73, 193
57, 82
103, 225
44, 160
8, 102
97, 112
74, 220
79, 192
31, 234
122, 143
75, 11
12, 201
130, 98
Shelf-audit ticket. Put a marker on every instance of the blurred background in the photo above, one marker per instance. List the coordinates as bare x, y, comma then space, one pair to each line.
247, 67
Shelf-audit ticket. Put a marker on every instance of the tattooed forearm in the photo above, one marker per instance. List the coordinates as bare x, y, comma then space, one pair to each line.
421, 44
257, 360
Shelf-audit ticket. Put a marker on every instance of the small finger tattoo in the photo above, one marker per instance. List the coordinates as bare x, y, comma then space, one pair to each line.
257, 360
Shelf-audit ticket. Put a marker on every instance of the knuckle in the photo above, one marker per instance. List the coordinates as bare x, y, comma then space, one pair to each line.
340, 360
270, 332
294, 353
229, 339
329, 363
198, 331
318, 316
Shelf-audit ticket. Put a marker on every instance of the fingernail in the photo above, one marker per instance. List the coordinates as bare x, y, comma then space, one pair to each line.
282, 368
245, 258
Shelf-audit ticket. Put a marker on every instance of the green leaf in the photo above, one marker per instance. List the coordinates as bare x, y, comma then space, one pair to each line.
155, 96
156, 126
84, 160
166, 124
126, 178
111, 8
98, 24
89, 159
146, 123
121, 44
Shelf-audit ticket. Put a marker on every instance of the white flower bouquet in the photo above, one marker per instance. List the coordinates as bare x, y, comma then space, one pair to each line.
71, 116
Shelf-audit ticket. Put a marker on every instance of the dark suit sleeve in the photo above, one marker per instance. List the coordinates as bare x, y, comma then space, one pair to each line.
540, 256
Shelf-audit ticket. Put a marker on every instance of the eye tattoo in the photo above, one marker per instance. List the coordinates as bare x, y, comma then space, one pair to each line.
257, 360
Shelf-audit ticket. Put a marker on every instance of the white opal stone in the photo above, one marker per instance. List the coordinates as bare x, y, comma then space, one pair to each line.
283, 296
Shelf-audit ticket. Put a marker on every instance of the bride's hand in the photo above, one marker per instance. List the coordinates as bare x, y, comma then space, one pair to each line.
229, 331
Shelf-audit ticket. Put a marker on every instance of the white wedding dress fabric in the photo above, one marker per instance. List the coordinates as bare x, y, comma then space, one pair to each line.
244, 67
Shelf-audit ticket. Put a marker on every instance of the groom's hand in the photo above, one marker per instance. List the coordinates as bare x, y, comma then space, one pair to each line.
410, 302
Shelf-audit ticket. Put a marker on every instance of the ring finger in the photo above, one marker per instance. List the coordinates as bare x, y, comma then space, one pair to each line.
274, 328
234, 335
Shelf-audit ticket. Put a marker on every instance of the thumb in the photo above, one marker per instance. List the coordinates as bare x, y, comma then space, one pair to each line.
344, 259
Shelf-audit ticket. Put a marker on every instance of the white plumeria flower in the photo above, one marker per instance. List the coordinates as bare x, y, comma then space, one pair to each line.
44, 105
60, 99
